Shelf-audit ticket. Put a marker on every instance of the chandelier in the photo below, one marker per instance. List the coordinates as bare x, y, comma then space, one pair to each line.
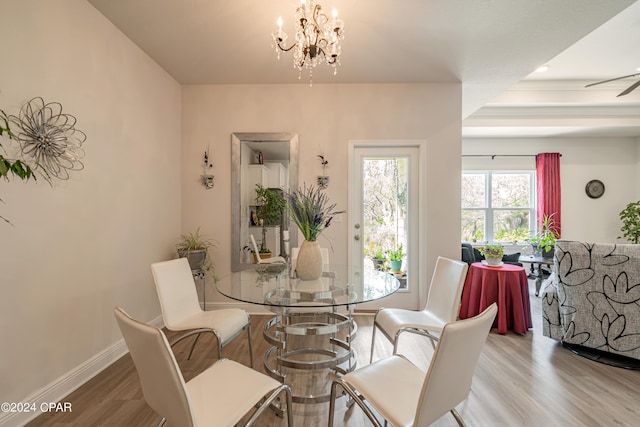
318, 38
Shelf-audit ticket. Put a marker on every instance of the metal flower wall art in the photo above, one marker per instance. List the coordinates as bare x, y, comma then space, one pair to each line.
48, 139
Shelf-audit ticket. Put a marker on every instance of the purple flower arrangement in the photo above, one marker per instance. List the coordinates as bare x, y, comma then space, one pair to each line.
311, 210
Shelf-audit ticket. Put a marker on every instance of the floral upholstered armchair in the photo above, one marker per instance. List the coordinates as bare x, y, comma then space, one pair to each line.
594, 300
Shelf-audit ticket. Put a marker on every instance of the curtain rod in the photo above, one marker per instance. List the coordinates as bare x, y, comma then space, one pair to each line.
493, 156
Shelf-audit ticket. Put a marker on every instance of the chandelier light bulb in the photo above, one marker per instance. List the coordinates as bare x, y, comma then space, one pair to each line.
334, 12
279, 22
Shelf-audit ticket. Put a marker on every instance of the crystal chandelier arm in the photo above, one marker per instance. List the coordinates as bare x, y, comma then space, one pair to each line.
279, 40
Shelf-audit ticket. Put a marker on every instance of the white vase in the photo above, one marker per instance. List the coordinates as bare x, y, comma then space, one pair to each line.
309, 264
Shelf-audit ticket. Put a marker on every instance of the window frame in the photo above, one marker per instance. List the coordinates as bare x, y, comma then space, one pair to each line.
488, 208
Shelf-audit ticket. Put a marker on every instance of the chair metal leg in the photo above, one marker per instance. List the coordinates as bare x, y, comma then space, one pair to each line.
355, 396
219, 344
458, 417
161, 422
332, 403
188, 334
193, 346
250, 343
423, 332
269, 400
373, 338
395, 342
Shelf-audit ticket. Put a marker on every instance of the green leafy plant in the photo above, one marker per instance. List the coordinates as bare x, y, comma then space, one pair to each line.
492, 251
397, 255
11, 167
546, 237
271, 205
193, 242
630, 217
311, 210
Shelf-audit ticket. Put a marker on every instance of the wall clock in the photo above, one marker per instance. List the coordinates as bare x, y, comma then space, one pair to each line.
594, 188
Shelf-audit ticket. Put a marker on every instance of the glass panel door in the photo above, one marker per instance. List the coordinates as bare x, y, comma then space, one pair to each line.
384, 217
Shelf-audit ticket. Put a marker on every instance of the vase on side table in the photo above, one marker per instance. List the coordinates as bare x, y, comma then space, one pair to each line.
309, 264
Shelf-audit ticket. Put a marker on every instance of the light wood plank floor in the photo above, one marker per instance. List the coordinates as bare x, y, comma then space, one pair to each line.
525, 380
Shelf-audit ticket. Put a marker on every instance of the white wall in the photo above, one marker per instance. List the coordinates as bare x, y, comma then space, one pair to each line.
83, 246
614, 161
325, 117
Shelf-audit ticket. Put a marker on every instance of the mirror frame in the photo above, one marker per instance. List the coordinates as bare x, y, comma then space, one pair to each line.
236, 141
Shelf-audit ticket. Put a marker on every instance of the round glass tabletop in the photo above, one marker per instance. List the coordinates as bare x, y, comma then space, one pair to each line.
272, 285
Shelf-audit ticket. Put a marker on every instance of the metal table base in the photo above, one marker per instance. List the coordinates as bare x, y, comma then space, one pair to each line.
311, 345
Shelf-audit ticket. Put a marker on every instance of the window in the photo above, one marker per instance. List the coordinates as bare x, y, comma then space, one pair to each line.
498, 206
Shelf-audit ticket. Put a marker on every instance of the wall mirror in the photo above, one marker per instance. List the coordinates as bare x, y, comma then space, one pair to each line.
269, 159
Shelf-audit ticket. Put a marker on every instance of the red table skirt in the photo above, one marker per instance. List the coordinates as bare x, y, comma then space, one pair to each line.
506, 285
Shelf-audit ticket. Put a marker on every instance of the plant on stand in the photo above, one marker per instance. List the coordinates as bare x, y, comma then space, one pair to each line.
544, 241
312, 212
270, 206
195, 247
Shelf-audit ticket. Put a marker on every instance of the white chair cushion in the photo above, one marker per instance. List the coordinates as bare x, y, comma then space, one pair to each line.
226, 321
215, 393
393, 386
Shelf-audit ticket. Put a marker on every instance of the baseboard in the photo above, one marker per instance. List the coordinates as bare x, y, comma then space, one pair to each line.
57, 390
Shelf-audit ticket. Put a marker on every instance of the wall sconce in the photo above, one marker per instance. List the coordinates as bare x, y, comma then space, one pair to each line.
206, 179
323, 180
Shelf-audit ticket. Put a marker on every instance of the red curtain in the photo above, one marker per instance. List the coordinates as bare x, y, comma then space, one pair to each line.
548, 188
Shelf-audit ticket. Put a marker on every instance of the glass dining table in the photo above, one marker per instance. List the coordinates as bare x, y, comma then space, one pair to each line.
313, 329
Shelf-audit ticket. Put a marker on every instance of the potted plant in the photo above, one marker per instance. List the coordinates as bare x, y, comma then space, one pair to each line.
263, 252
492, 253
195, 247
270, 205
378, 258
312, 212
544, 241
630, 217
396, 257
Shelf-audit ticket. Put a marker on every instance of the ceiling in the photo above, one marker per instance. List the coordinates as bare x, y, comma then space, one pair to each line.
487, 45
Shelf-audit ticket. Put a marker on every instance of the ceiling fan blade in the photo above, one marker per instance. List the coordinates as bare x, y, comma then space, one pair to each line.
612, 80
630, 88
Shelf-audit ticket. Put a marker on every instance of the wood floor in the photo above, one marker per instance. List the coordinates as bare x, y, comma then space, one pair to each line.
525, 380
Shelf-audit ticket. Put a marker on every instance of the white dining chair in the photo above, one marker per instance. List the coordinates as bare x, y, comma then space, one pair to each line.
442, 307
221, 395
403, 395
271, 260
181, 310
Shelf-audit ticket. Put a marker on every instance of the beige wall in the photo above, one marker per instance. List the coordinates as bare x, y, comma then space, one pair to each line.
614, 161
325, 117
83, 246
